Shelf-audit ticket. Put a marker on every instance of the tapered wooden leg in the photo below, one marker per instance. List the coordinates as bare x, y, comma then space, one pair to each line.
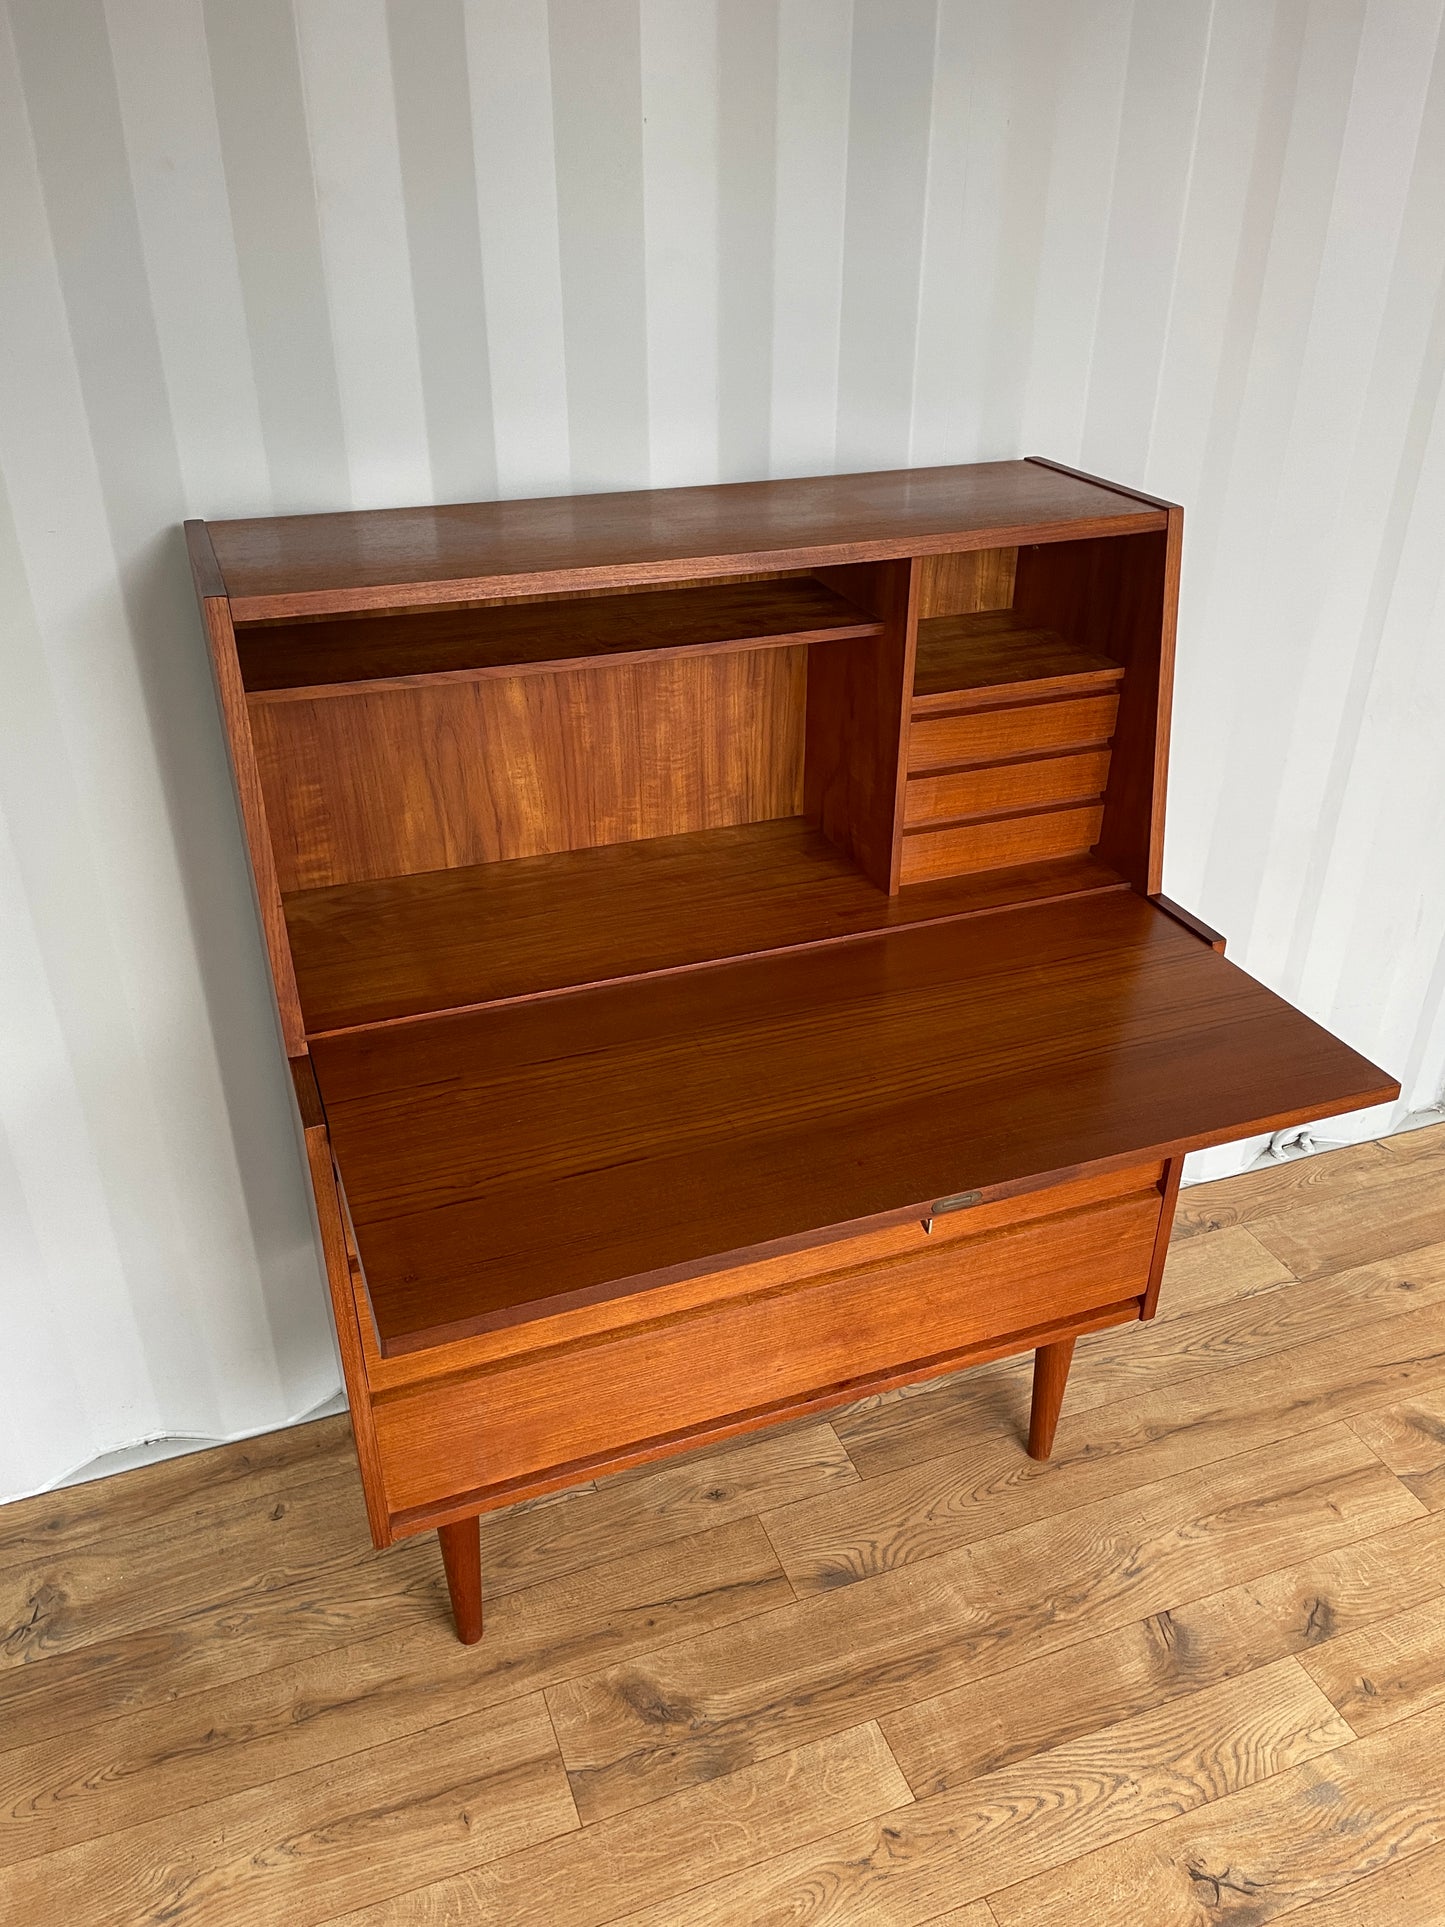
462, 1557
1051, 1375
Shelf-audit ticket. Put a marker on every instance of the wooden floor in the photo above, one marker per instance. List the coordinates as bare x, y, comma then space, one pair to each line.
884, 1670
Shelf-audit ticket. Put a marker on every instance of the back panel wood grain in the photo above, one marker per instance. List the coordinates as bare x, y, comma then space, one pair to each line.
404, 780
960, 585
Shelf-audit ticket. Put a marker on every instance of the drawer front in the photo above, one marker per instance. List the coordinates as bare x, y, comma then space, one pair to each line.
1030, 729
597, 1398
1005, 786
998, 842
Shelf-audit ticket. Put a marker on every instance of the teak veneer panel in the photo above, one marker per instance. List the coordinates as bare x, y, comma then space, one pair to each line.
427, 776
283, 659
1028, 729
513, 1161
574, 1403
1028, 837
990, 788
393, 558
955, 585
491, 932
1003, 1208
857, 723
996, 657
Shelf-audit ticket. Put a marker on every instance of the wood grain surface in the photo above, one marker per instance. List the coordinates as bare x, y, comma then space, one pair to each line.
1193, 1671
992, 735
955, 585
286, 660
426, 776
397, 558
995, 658
655, 1129
490, 932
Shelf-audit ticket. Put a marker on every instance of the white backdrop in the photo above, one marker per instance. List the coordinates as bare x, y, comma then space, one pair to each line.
270, 255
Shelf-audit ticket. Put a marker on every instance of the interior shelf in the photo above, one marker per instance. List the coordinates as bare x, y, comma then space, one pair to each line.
297, 659
366, 953
994, 657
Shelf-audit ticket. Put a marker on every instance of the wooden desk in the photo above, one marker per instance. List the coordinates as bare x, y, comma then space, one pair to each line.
712, 1002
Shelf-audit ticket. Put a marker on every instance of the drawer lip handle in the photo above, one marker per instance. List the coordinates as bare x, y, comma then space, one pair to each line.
958, 1201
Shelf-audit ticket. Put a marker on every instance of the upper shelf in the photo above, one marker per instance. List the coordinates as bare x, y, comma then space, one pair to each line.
405, 558
994, 657
298, 658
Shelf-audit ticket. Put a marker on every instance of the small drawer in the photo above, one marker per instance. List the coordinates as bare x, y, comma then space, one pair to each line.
983, 735
996, 787
586, 1402
1000, 841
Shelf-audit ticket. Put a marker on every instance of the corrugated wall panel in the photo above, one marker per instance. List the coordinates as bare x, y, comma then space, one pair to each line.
269, 255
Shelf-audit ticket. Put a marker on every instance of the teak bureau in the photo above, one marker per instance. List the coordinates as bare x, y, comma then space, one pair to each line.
717, 940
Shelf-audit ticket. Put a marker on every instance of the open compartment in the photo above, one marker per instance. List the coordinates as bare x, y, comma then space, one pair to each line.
471, 805
1036, 712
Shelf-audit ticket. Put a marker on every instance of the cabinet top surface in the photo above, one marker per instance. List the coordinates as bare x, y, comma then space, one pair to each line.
509, 1162
394, 558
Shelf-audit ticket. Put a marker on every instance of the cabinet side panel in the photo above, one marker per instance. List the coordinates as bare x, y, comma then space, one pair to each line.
348, 1335
431, 776
235, 720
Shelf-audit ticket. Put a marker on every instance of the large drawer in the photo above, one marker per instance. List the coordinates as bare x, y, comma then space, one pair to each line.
597, 1398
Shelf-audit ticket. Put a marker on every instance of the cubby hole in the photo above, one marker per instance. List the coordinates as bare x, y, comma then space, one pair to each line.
1025, 670
469, 806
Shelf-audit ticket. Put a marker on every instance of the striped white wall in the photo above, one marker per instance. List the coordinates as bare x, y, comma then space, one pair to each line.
269, 255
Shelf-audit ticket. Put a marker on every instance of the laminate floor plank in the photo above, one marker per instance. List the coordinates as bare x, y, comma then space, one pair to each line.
1137, 1359
1261, 1854
1021, 1820
986, 1485
701, 1707
1004, 1717
55, 1792
196, 1493
1322, 1214
1405, 1893
1301, 1185
1425, 1146
712, 1832
569, 1625
637, 1510
467, 1791
270, 1540
1410, 1438
1216, 1268
1385, 1672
